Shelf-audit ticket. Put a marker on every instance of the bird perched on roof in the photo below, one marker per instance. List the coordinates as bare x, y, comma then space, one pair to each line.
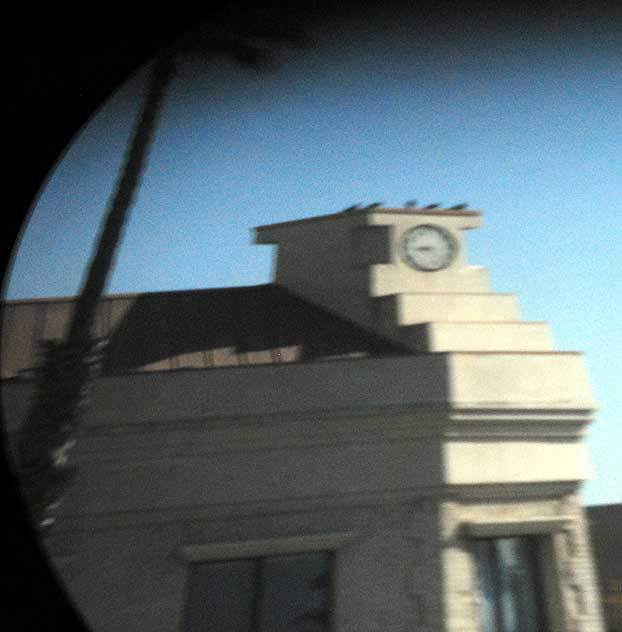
354, 207
375, 205
411, 204
432, 206
458, 207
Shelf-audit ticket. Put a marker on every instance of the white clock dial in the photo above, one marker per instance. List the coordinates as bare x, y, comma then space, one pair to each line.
428, 247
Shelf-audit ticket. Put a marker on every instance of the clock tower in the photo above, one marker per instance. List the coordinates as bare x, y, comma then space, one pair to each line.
404, 273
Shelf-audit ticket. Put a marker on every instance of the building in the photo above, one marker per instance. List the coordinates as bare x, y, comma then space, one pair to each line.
606, 535
375, 441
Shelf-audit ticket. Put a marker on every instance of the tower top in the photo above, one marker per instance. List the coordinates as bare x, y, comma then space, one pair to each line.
436, 213
344, 261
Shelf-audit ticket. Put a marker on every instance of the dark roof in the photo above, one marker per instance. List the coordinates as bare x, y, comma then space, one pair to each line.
192, 329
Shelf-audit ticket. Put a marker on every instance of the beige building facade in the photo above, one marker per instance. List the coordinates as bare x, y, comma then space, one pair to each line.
419, 447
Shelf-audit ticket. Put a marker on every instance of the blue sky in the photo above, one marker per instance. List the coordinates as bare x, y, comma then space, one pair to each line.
523, 125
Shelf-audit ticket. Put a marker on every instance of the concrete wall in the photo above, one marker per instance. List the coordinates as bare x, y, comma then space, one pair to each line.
317, 262
478, 336
385, 564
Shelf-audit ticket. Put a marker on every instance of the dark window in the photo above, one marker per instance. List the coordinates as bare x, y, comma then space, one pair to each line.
279, 593
509, 585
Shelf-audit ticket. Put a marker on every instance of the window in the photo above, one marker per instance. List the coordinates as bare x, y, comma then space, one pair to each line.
277, 593
509, 585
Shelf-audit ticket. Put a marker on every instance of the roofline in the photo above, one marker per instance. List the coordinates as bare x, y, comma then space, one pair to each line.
388, 211
104, 297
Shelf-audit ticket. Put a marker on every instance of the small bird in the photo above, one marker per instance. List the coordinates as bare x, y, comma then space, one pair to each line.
411, 204
458, 207
375, 205
432, 206
354, 207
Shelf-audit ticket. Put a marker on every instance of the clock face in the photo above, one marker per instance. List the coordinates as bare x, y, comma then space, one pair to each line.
428, 247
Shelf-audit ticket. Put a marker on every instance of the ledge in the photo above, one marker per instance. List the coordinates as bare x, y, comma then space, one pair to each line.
547, 382
511, 528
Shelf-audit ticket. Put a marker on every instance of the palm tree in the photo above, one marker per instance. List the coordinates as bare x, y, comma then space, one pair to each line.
65, 368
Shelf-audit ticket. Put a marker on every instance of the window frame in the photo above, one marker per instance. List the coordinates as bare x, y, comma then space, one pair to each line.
546, 531
249, 549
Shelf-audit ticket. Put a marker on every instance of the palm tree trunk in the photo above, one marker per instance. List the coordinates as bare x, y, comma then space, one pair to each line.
64, 373
120, 204
62, 379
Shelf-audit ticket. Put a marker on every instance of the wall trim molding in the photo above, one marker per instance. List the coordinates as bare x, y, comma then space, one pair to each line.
263, 548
